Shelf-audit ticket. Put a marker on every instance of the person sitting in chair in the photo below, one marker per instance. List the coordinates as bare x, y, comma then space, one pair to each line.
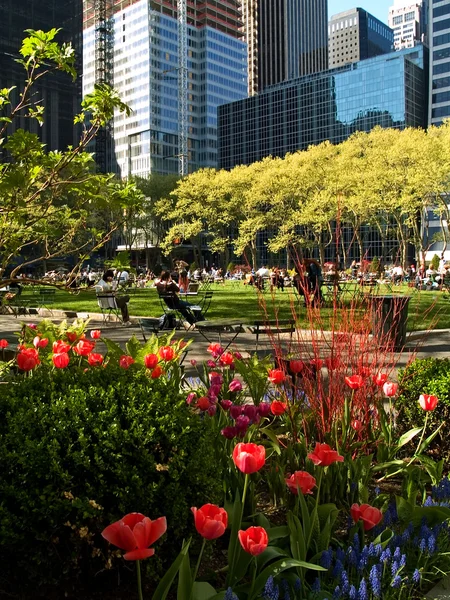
166, 285
106, 286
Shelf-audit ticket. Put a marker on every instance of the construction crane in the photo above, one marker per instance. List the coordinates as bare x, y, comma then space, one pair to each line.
182, 89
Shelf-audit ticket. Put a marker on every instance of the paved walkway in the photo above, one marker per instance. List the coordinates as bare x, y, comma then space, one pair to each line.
421, 344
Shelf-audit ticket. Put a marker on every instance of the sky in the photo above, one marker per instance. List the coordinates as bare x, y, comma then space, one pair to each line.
378, 8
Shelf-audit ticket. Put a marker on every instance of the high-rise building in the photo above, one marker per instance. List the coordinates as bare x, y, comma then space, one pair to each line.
408, 19
145, 56
389, 90
439, 40
57, 92
355, 35
286, 39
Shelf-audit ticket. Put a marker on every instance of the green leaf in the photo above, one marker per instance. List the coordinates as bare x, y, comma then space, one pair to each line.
165, 584
434, 515
184, 578
275, 533
114, 350
202, 590
278, 567
296, 537
235, 518
424, 445
408, 436
133, 346
384, 538
271, 553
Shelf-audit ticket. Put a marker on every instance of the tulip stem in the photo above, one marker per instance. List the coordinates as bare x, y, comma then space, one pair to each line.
197, 566
139, 580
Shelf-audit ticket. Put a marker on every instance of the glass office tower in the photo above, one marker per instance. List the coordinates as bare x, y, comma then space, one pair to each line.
439, 19
60, 96
145, 49
389, 90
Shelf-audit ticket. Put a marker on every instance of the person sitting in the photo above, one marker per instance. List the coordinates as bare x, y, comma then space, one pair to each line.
166, 285
106, 286
183, 282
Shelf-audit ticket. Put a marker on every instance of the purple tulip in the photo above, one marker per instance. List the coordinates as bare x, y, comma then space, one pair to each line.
264, 409
191, 397
216, 379
214, 390
226, 404
211, 364
242, 423
250, 411
193, 362
229, 432
238, 355
235, 411
235, 385
212, 410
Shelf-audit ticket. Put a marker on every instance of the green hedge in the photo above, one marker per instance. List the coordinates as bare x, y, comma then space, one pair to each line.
426, 376
78, 450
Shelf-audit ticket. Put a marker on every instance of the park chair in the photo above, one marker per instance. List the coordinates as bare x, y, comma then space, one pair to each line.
149, 326
169, 301
204, 303
108, 306
47, 298
273, 329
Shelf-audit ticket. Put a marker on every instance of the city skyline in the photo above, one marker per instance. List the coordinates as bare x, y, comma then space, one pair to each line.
378, 8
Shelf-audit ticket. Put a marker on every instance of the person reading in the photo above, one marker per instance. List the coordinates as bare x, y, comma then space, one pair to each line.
166, 285
107, 285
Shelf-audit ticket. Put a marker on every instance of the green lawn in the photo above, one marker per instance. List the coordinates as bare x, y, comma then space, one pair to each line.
426, 310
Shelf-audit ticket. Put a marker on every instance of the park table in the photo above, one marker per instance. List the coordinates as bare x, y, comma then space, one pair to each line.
220, 327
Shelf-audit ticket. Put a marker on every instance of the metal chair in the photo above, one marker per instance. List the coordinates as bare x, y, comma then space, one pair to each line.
205, 302
149, 326
108, 306
168, 301
47, 298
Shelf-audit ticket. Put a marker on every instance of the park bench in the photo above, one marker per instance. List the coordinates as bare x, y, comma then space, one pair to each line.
272, 329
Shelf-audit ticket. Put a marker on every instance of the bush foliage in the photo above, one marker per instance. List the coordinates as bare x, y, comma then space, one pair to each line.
426, 376
81, 449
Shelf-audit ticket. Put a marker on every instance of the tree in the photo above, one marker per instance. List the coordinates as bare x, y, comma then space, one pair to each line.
51, 201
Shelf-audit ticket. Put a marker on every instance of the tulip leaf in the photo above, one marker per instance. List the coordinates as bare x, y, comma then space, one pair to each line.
268, 555
184, 578
278, 567
165, 584
296, 537
114, 350
202, 590
408, 436
384, 538
235, 524
424, 445
241, 563
275, 533
133, 346
432, 515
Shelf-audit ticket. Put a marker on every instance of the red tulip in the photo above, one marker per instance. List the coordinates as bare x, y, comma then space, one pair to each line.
60, 347
84, 347
215, 349
296, 366
301, 480
324, 456
278, 408
210, 521
369, 515
203, 403
226, 359
355, 382
27, 359
126, 361
166, 353
40, 342
4, 344
72, 336
428, 402
96, 334
150, 361
135, 533
365, 371
276, 376
356, 425
380, 379
61, 360
254, 540
249, 458
157, 372
390, 388
95, 359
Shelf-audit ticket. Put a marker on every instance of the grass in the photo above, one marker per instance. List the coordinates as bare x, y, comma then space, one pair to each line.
427, 310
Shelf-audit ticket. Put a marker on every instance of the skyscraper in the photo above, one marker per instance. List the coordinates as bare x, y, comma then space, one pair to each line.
286, 39
60, 96
408, 19
439, 19
145, 55
355, 35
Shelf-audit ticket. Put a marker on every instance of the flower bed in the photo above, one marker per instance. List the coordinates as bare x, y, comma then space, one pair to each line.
300, 483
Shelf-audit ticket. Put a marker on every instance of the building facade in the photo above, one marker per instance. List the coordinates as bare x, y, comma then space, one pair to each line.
146, 68
286, 39
439, 38
356, 35
409, 23
57, 92
388, 90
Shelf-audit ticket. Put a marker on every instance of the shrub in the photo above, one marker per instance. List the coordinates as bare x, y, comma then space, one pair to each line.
426, 376
434, 264
81, 449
